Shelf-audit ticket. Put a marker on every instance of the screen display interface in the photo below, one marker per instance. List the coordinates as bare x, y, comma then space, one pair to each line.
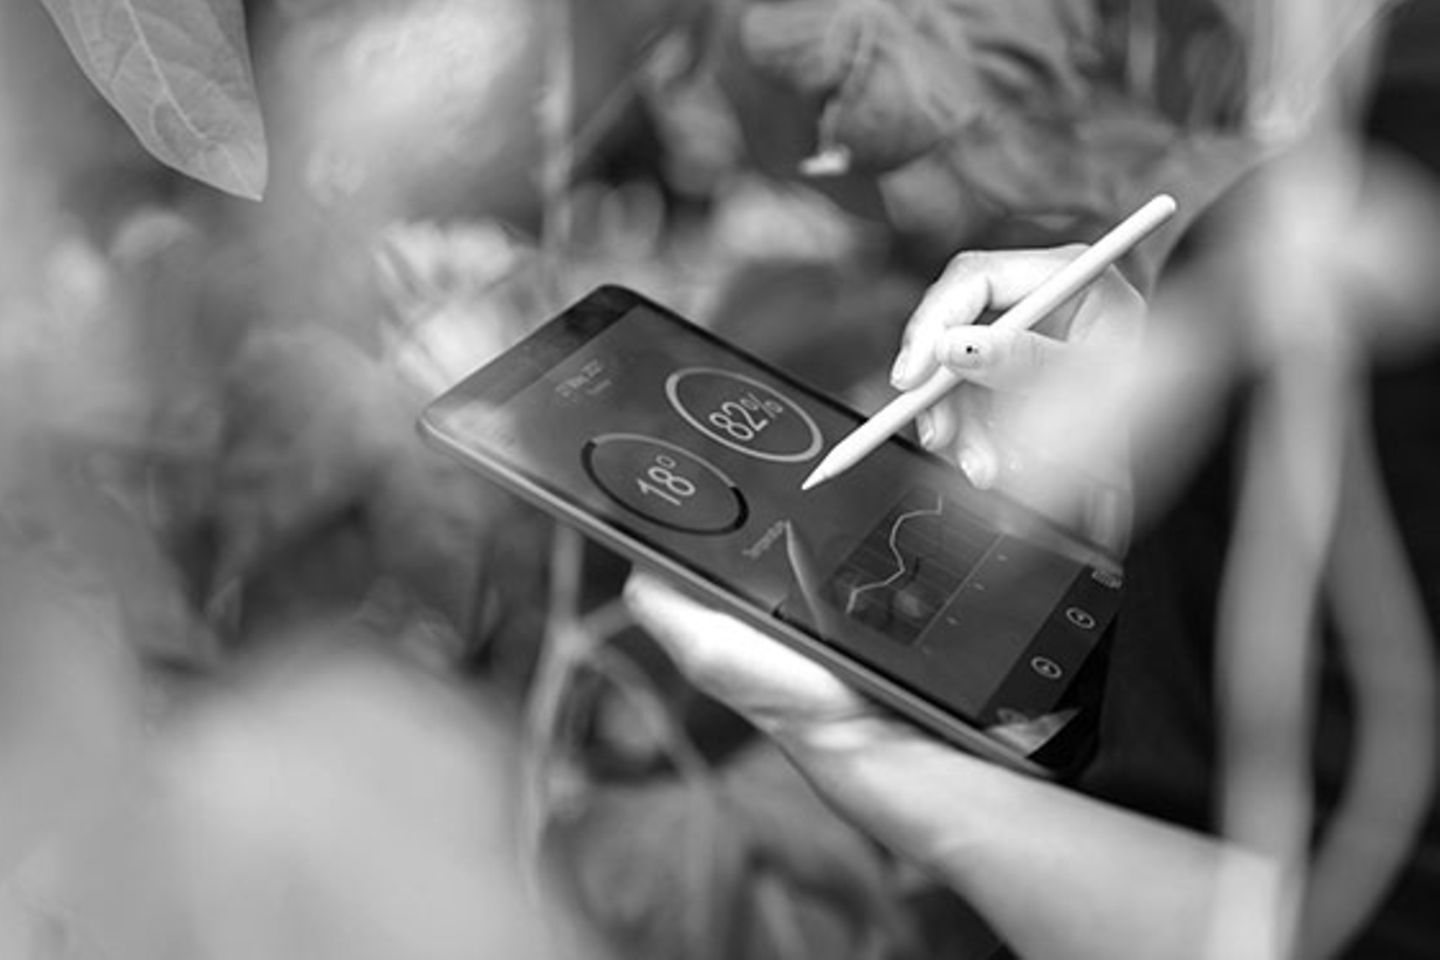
696, 450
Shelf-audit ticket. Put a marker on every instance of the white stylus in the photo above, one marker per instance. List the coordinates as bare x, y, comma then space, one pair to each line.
1065, 283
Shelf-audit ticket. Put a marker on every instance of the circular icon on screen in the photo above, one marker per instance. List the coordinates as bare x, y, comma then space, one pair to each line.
1047, 668
744, 414
664, 483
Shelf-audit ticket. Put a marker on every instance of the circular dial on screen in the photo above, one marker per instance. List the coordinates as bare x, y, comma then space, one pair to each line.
664, 483
744, 414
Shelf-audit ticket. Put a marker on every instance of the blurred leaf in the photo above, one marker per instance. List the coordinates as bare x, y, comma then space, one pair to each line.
311, 421
898, 79
446, 293
68, 698
1034, 48
751, 866
436, 527
179, 73
324, 486
322, 805
79, 501
365, 83
967, 110
898, 82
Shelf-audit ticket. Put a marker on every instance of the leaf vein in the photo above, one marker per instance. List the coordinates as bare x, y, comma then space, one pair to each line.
157, 68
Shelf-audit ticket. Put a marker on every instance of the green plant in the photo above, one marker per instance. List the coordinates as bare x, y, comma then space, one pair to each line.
180, 76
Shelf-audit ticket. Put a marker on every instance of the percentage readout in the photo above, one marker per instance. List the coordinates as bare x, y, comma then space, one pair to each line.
744, 414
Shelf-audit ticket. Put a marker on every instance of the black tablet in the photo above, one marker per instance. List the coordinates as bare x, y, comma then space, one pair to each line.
961, 609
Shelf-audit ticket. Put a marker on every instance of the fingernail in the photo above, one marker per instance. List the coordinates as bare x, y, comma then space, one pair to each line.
637, 591
926, 428
897, 372
964, 353
977, 469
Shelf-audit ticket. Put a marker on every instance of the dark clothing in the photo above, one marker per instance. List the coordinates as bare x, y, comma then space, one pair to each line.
1157, 736
1157, 749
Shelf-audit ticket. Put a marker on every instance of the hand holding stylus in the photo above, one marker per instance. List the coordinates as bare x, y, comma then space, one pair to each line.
995, 837
967, 289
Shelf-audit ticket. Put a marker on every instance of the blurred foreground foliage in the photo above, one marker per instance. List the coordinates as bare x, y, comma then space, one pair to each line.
256, 636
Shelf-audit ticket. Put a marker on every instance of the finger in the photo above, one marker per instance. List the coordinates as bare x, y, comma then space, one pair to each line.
937, 426
768, 683
973, 282
1000, 359
976, 452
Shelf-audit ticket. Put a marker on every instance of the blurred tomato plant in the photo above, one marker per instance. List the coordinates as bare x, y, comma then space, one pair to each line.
215, 502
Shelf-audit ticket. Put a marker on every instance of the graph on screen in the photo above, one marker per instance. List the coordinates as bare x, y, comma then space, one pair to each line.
904, 566
909, 564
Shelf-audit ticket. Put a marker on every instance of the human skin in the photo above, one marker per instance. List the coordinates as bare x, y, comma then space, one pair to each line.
1056, 873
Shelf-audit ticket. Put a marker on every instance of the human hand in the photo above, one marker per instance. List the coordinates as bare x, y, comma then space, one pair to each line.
887, 776
1116, 884
1037, 418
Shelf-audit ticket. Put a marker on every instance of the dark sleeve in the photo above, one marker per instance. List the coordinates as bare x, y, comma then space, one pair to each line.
1157, 749
1156, 740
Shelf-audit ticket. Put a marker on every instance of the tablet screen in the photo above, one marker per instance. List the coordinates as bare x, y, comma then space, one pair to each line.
695, 449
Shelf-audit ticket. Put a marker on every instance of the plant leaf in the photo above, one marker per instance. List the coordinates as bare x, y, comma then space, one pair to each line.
179, 74
899, 78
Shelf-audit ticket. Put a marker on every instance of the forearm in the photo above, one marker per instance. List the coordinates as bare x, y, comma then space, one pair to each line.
1056, 873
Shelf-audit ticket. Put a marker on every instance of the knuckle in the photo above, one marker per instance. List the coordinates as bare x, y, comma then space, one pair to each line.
1114, 285
700, 662
969, 261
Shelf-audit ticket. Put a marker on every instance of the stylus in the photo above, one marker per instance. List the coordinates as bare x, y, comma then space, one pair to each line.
1065, 283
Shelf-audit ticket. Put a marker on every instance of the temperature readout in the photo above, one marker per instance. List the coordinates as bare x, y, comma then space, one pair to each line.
744, 414
664, 483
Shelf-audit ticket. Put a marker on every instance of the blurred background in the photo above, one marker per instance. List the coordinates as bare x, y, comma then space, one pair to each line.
275, 680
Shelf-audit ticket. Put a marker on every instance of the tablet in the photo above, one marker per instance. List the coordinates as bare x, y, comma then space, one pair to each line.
962, 610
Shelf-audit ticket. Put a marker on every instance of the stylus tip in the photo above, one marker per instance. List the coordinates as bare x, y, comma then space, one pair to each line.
814, 480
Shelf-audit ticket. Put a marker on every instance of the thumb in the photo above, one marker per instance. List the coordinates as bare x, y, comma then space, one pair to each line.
770, 684
998, 358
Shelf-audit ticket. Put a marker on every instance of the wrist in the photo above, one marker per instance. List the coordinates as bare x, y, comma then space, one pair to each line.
924, 800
